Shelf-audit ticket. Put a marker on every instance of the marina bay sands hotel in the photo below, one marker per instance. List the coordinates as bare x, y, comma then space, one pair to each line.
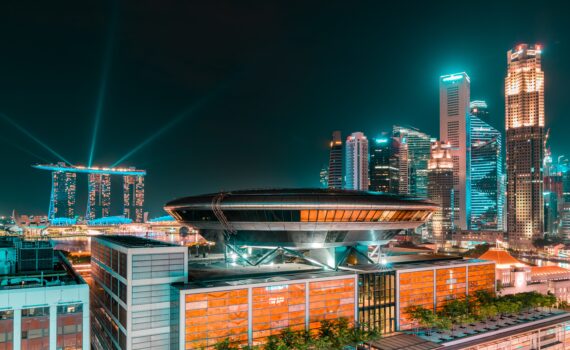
64, 186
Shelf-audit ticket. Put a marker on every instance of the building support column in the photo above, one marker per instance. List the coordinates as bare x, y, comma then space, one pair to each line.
307, 316
53, 327
250, 316
17, 336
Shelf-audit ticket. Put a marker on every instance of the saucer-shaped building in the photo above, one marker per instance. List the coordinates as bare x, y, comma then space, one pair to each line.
300, 218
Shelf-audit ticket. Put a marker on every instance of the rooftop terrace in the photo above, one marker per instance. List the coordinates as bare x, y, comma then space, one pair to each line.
497, 328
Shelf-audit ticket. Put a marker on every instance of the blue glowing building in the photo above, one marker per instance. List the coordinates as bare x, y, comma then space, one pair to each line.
487, 187
63, 189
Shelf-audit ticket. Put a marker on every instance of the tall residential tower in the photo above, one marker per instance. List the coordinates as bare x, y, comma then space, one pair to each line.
357, 162
524, 117
454, 109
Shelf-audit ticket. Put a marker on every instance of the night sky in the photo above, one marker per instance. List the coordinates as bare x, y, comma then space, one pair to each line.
242, 94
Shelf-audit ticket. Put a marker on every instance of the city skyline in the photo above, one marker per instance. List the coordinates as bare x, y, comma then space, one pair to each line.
141, 102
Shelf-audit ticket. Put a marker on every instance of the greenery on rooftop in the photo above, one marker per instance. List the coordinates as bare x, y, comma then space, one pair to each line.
331, 335
484, 306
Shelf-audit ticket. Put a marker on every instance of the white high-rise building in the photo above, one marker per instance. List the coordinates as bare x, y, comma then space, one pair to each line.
454, 126
357, 162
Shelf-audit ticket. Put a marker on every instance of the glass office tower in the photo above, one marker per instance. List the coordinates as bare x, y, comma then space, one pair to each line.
414, 153
486, 174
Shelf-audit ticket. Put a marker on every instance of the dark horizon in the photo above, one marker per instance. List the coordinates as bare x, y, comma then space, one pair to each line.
220, 96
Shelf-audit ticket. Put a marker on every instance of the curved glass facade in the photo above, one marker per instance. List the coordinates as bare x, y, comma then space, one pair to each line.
307, 215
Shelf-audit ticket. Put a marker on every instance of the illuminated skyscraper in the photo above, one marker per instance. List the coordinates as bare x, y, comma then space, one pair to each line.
357, 162
524, 111
335, 172
99, 196
440, 191
480, 110
384, 165
486, 176
133, 197
62, 201
414, 154
454, 94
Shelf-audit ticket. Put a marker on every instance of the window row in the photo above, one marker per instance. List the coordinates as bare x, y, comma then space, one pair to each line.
363, 215
316, 215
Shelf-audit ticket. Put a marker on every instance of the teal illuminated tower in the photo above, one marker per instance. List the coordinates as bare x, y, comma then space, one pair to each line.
487, 188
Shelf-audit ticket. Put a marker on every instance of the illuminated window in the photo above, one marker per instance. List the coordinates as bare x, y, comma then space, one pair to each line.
370, 215
362, 215
354, 215
346, 216
330, 215
377, 215
312, 215
321, 215
304, 215
338, 215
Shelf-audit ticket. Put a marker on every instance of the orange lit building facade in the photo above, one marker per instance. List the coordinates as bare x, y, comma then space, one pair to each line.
248, 314
432, 285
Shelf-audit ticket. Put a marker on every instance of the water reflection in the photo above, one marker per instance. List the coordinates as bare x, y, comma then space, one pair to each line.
543, 262
82, 244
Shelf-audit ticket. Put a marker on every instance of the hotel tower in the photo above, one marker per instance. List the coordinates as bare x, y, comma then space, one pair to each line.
524, 116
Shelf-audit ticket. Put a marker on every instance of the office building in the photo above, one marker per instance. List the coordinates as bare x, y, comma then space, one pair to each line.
335, 170
454, 101
133, 197
99, 196
487, 189
62, 201
479, 109
356, 162
441, 192
414, 154
219, 302
132, 304
524, 109
44, 304
384, 165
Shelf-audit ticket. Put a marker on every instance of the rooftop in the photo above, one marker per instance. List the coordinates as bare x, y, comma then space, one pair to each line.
402, 341
62, 274
501, 257
299, 197
134, 241
245, 275
484, 331
439, 263
542, 273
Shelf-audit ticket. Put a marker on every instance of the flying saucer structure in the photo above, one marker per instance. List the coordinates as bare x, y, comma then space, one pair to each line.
300, 218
